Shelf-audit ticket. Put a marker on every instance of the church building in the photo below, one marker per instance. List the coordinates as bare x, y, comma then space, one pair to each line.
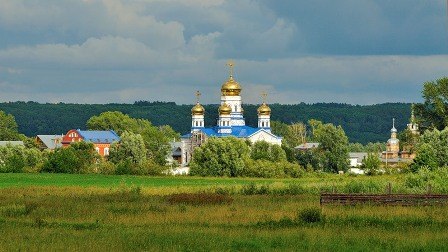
230, 122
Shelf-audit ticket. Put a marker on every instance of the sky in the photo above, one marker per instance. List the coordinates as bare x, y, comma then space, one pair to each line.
121, 51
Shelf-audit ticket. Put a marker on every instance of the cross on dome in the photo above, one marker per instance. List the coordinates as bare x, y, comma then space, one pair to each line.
264, 95
198, 95
230, 64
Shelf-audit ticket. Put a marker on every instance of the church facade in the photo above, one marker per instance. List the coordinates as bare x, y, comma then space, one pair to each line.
230, 122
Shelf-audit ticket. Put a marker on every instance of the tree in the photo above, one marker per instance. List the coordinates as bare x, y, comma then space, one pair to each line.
156, 139
432, 150
220, 157
62, 160
266, 151
433, 112
131, 148
293, 134
8, 128
117, 121
371, 163
333, 146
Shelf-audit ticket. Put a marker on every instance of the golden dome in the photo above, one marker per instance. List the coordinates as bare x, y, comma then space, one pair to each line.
264, 109
224, 109
231, 87
198, 109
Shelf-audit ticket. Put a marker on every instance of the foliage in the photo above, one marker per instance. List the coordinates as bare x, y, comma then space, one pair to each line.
79, 157
293, 134
220, 157
363, 124
131, 147
262, 168
156, 139
17, 158
426, 177
371, 163
267, 151
369, 147
408, 140
432, 150
8, 128
433, 112
333, 146
310, 215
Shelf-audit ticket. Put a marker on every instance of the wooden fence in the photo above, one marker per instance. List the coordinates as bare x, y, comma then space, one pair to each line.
383, 199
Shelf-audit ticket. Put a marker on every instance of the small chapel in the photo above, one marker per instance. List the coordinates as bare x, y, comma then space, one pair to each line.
230, 121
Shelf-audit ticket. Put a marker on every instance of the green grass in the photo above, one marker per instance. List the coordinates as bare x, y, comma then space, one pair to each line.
96, 212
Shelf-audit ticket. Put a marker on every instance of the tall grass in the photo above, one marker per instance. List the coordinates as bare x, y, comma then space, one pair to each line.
246, 215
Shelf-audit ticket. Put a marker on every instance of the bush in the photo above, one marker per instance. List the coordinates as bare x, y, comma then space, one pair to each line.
19, 158
267, 169
105, 167
310, 215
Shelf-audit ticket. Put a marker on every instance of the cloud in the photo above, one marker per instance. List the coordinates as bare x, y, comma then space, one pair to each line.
353, 51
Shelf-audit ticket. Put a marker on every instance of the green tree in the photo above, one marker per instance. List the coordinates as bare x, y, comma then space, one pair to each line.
117, 121
433, 112
266, 151
432, 150
8, 128
17, 158
62, 160
371, 163
156, 139
220, 157
131, 148
87, 156
333, 146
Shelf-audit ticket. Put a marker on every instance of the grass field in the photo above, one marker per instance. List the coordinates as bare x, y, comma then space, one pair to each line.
96, 212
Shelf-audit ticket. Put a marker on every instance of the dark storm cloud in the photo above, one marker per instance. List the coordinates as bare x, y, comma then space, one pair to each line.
353, 51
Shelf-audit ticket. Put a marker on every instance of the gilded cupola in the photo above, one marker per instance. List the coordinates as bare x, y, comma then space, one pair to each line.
231, 87
197, 109
264, 109
224, 109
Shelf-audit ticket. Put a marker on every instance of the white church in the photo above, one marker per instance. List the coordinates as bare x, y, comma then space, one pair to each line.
229, 123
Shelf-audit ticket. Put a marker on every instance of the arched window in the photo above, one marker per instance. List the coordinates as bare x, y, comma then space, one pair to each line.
106, 151
97, 150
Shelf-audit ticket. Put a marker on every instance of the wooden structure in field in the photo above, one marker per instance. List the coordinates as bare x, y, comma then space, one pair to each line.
383, 199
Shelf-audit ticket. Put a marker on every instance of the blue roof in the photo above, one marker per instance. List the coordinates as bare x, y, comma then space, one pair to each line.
237, 131
99, 136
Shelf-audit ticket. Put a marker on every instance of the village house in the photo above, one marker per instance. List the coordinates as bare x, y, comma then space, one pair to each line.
101, 139
49, 142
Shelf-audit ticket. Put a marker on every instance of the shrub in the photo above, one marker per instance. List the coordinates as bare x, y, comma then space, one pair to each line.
19, 158
267, 169
310, 215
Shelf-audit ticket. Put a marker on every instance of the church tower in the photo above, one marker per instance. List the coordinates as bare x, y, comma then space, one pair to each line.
264, 115
412, 125
225, 119
393, 145
231, 96
197, 115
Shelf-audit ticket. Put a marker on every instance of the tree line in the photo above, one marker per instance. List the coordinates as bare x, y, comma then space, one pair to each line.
363, 124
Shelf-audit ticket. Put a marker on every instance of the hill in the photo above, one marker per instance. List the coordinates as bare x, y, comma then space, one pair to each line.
369, 123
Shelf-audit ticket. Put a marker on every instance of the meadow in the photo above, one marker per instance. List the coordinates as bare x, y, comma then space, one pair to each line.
96, 212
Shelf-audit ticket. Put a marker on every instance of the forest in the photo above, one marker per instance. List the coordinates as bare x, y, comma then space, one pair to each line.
361, 123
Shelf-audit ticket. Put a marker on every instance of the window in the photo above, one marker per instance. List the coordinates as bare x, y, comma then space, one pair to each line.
236, 108
106, 151
97, 150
